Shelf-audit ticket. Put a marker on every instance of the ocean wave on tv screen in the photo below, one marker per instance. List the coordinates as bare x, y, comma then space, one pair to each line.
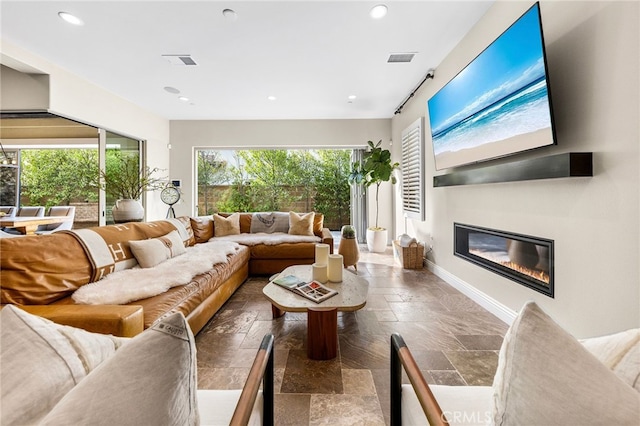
525, 111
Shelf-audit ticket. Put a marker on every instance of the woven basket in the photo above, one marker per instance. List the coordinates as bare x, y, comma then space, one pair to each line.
409, 257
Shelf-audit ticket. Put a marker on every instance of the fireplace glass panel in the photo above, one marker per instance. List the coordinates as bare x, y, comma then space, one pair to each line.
524, 259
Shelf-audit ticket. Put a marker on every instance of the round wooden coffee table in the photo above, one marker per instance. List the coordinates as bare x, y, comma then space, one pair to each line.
322, 318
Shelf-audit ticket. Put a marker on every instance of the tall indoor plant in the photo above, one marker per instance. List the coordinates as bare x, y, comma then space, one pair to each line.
124, 180
376, 167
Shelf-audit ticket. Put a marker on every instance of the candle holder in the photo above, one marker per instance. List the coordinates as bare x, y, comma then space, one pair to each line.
319, 272
322, 253
335, 268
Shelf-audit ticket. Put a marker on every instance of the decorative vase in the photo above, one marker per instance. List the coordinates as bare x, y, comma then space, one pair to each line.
127, 210
349, 250
376, 240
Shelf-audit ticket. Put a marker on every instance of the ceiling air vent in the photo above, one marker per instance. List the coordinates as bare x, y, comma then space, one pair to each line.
400, 57
180, 59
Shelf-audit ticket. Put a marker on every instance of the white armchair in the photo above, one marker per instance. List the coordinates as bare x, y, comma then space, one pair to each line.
9, 211
54, 374
31, 211
544, 376
68, 211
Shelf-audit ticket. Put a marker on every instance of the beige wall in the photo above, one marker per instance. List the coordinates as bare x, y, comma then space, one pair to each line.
21, 91
73, 97
238, 134
593, 54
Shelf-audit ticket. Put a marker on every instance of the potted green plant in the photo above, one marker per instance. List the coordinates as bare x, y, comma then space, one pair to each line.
348, 231
124, 180
376, 167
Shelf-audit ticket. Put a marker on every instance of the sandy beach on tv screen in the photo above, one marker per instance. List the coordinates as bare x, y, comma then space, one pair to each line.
501, 148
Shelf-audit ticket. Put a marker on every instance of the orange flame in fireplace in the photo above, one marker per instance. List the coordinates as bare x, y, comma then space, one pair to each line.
536, 274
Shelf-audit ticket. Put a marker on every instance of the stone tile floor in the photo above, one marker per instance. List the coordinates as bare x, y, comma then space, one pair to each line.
454, 341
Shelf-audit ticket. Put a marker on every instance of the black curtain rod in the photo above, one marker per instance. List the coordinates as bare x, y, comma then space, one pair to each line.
429, 75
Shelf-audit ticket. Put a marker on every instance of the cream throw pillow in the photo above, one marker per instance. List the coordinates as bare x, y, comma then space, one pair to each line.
226, 225
620, 352
301, 224
41, 361
150, 381
153, 251
546, 377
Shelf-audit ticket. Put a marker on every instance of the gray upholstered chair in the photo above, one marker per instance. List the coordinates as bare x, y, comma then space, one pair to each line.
31, 211
68, 211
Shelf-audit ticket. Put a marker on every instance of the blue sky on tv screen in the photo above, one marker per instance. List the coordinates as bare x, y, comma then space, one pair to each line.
510, 63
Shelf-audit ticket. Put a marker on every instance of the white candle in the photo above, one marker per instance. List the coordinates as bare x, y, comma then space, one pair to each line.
322, 253
319, 272
335, 268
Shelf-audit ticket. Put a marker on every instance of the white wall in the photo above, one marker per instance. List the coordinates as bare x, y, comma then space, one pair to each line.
238, 134
73, 97
593, 53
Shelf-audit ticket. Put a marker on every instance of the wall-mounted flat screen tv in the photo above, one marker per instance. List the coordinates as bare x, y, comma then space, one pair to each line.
497, 105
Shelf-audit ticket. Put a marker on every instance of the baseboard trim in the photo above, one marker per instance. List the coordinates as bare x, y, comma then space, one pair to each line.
490, 304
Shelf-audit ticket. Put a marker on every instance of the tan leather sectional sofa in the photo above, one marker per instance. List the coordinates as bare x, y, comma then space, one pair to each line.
41, 272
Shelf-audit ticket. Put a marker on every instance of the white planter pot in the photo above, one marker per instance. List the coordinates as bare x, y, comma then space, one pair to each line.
376, 240
127, 211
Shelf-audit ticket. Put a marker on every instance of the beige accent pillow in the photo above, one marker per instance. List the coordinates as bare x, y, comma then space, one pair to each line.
301, 224
41, 361
153, 251
620, 352
545, 376
229, 225
150, 381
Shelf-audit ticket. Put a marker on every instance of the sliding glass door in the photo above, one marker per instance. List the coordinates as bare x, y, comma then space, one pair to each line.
116, 146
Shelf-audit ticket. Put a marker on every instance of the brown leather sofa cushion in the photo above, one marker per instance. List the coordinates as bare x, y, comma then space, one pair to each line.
284, 251
39, 269
202, 228
318, 224
186, 298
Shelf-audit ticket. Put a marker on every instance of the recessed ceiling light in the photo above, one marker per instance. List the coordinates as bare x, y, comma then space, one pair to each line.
230, 14
378, 11
184, 99
184, 59
172, 90
352, 97
72, 19
271, 98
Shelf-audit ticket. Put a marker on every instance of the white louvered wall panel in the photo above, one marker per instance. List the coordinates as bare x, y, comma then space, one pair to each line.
413, 171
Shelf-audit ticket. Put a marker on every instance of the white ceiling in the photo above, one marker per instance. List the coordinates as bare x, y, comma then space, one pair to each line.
311, 55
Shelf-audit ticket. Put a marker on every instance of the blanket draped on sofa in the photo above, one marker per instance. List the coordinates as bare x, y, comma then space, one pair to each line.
137, 283
272, 239
108, 249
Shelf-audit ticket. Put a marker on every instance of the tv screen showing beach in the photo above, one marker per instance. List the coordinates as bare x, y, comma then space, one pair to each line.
497, 105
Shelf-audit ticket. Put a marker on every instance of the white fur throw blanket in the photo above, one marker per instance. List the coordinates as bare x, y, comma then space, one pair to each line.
272, 239
137, 283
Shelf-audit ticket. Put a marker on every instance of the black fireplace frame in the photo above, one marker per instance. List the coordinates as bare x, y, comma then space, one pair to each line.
461, 249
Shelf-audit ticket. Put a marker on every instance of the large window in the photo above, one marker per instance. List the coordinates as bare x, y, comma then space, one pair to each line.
57, 162
275, 180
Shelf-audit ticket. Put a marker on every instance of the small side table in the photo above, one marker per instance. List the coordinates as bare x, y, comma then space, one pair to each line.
350, 252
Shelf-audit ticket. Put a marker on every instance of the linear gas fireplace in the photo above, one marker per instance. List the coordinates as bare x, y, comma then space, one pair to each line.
521, 258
